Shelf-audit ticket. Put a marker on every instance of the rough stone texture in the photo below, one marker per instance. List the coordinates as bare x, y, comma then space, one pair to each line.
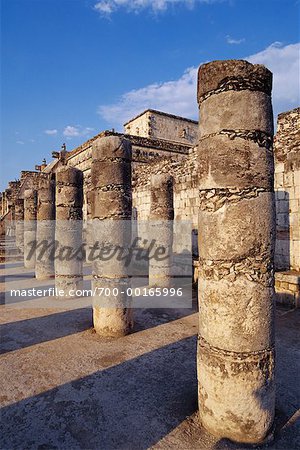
111, 206
287, 191
30, 212
19, 218
246, 107
44, 266
160, 125
161, 229
236, 247
68, 233
221, 76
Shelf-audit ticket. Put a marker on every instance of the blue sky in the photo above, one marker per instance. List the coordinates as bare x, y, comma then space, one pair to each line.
71, 68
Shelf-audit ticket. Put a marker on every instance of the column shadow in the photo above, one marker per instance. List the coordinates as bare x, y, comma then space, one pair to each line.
24, 333
132, 405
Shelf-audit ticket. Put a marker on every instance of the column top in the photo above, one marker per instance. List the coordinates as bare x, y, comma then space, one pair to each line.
111, 147
69, 175
219, 76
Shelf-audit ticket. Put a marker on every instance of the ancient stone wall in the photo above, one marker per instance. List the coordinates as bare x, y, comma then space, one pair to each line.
159, 125
186, 181
287, 190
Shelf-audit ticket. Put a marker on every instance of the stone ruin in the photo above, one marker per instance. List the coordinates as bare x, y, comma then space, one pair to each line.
219, 174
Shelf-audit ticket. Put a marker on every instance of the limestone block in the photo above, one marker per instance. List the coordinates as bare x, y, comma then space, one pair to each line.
279, 180
112, 316
229, 381
117, 174
69, 196
297, 177
236, 315
69, 176
242, 110
234, 163
288, 178
233, 231
45, 237
294, 206
279, 167
111, 203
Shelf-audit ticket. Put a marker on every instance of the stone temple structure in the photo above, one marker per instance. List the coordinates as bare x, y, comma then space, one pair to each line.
238, 187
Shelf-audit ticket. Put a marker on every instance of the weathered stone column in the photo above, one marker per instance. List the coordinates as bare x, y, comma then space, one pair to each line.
88, 225
19, 218
236, 249
30, 210
161, 230
111, 213
45, 233
68, 233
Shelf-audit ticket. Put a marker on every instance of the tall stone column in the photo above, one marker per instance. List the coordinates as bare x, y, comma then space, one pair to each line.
68, 233
236, 249
30, 210
19, 218
161, 230
45, 234
111, 214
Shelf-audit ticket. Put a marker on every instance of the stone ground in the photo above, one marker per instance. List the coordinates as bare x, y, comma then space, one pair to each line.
65, 388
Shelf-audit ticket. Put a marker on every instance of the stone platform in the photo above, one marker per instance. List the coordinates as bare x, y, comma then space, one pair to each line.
63, 387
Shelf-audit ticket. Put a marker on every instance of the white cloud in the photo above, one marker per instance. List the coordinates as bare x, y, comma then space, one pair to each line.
233, 41
51, 132
20, 142
74, 131
179, 96
107, 7
284, 62
71, 131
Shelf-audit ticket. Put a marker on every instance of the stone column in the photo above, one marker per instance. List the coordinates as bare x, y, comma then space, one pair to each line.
111, 214
30, 210
45, 234
88, 225
68, 233
236, 250
19, 218
161, 230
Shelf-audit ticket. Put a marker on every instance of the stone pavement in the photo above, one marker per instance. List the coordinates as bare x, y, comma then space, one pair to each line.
64, 387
